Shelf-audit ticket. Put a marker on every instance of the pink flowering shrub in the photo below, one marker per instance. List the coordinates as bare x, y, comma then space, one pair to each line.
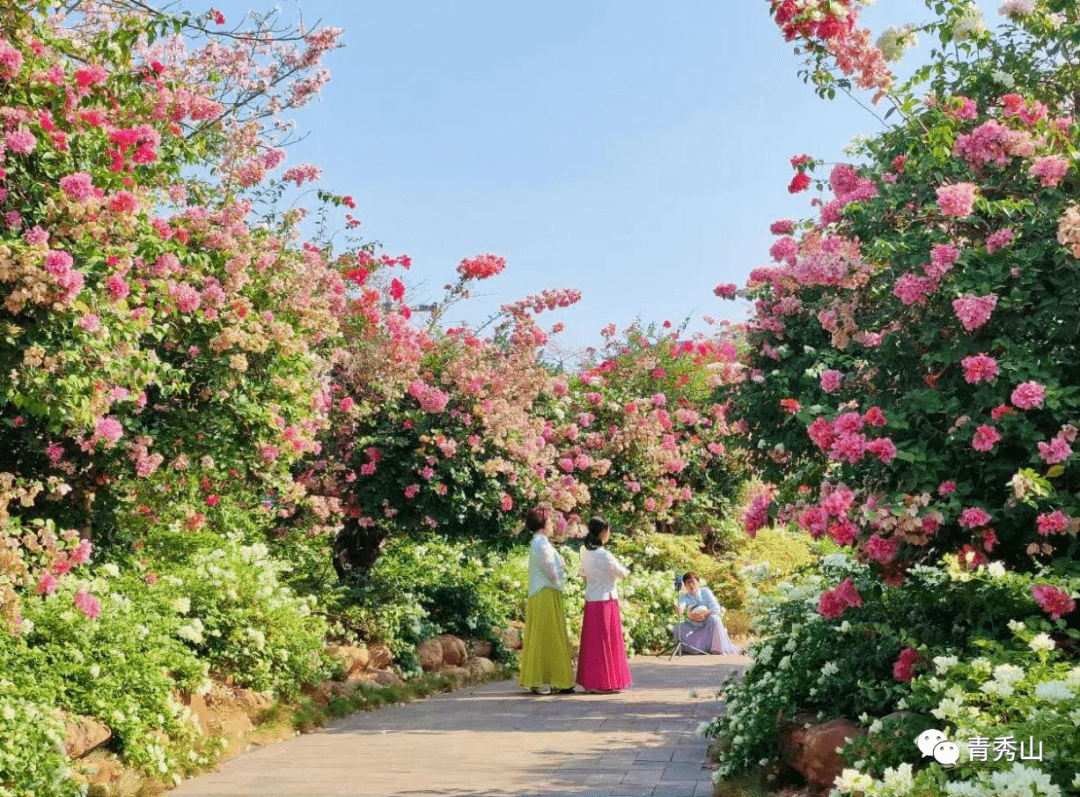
156, 339
963, 349
1053, 601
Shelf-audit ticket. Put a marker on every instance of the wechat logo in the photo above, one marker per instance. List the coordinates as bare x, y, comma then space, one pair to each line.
932, 742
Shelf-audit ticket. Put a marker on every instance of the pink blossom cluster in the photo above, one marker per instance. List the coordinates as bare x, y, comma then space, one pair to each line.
79, 186
881, 550
302, 173
68, 280
992, 143
904, 667
431, 398
821, 260
957, 199
1050, 169
1056, 451
547, 299
848, 186
1056, 522
784, 250
20, 141
911, 289
87, 604
999, 239
1028, 395
11, 61
961, 108
974, 311
1053, 601
833, 603
843, 439
986, 437
979, 368
757, 515
974, 517
1030, 112
831, 380
942, 258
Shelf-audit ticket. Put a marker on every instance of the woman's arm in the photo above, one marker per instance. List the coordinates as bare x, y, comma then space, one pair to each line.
710, 601
616, 569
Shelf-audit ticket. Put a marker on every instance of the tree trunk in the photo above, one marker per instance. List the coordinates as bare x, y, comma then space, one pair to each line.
356, 548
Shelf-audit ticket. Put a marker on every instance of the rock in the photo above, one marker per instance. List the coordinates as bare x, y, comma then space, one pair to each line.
100, 770
812, 751
84, 734
510, 637
198, 706
320, 695
360, 676
251, 701
430, 655
387, 678
350, 656
453, 649
346, 689
379, 656
235, 723
458, 675
479, 647
479, 665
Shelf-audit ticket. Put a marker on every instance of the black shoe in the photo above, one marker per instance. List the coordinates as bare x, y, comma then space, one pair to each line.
567, 691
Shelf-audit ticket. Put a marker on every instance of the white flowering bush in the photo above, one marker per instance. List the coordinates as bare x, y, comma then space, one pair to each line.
32, 759
121, 664
1012, 707
969, 652
246, 623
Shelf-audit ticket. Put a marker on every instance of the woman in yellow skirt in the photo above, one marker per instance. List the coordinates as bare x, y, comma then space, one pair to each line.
545, 650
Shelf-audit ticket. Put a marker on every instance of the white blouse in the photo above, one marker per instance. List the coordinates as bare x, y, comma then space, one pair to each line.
601, 570
546, 567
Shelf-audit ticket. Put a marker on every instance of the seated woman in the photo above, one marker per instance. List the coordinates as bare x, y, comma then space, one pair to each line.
703, 629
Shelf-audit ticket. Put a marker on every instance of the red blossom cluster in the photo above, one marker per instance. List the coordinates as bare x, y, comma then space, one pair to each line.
834, 602
1053, 601
831, 25
904, 668
481, 266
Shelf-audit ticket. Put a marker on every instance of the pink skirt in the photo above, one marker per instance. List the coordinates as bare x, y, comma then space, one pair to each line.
602, 655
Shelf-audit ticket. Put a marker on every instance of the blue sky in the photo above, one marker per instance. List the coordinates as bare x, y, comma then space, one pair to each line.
636, 151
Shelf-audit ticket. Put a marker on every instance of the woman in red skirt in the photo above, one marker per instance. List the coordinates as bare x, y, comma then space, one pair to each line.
602, 665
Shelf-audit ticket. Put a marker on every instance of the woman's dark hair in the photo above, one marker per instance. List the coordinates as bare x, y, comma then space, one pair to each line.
690, 575
597, 526
537, 518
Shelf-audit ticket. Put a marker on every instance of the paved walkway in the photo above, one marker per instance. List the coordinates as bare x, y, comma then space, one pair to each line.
496, 740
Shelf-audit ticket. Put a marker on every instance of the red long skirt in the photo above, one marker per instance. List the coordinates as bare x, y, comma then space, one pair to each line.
602, 655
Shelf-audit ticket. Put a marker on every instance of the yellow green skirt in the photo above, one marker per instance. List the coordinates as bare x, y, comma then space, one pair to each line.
545, 650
